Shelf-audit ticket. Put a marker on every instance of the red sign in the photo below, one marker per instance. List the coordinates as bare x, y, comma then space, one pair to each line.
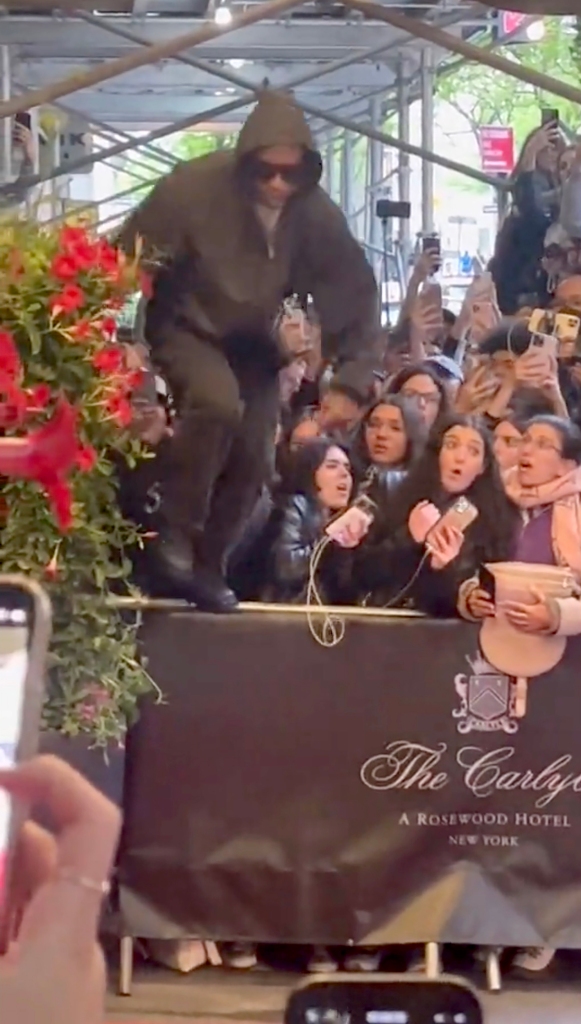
497, 149
511, 21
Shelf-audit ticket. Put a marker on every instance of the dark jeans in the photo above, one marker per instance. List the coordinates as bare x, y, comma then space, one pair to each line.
223, 447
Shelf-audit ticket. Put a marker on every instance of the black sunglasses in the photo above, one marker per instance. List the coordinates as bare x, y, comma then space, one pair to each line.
291, 173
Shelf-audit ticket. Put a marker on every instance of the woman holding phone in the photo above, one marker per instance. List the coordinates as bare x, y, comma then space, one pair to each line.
422, 549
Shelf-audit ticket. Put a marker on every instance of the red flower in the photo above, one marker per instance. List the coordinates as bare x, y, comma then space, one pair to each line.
13, 403
71, 237
109, 326
86, 458
82, 330
119, 409
45, 455
64, 268
9, 358
135, 379
61, 499
70, 299
78, 249
38, 397
107, 259
108, 360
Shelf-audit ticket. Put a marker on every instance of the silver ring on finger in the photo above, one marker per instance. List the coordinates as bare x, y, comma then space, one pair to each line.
102, 889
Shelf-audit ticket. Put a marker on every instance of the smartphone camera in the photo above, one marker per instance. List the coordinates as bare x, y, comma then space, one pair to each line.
385, 999
431, 243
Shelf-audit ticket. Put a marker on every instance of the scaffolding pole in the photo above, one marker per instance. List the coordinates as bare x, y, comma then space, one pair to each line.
7, 125
407, 147
140, 58
155, 151
427, 86
83, 162
225, 74
436, 36
376, 175
403, 163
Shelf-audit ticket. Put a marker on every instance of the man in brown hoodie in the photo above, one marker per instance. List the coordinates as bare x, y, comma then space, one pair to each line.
234, 233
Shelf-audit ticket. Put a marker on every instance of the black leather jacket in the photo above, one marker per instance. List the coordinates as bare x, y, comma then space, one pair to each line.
379, 483
300, 531
388, 571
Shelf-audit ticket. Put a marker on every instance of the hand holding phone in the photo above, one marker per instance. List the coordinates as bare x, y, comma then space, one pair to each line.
460, 515
24, 636
349, 529
444, 544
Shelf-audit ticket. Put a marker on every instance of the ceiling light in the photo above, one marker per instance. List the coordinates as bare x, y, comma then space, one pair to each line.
223, 15
236, 63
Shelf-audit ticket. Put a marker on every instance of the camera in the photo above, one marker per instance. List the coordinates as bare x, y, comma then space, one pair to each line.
391, 209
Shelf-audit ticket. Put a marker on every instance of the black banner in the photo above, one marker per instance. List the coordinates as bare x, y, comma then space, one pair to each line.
392, 789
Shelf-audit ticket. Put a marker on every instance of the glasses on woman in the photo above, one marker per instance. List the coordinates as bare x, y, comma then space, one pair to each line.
541, 444
426, 397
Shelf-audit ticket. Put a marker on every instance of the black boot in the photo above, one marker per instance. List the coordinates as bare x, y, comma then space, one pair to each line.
195, 458
172, 574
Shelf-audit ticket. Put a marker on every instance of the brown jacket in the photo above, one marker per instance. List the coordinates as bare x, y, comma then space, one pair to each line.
220, 279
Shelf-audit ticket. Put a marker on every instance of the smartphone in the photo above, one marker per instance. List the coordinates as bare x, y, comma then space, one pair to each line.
383, 999
545, 343
550, 115
568, 331
25, 626
431, 243
487, 582
460, 515
367, 506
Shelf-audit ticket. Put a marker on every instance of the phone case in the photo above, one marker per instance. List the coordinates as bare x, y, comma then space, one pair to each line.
460, 516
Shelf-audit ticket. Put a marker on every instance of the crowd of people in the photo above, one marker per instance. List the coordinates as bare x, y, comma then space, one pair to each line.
305, 440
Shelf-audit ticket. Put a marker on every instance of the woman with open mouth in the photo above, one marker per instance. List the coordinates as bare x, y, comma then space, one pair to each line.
320, 485
415, 554
545, 485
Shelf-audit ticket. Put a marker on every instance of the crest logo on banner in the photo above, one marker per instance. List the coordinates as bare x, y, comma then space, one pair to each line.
489, 700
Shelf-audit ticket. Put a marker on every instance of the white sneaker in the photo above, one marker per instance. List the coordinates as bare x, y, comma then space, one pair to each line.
533, 960
322, 962
365, 960
241, 956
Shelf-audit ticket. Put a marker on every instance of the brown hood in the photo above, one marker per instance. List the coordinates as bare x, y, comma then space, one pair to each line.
277, 121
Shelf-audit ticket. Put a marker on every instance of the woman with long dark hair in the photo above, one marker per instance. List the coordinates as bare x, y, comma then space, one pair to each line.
320, 485
391, 437
412, 555
420, 384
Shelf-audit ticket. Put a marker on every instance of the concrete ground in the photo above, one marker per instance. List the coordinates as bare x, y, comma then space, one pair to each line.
215, 996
